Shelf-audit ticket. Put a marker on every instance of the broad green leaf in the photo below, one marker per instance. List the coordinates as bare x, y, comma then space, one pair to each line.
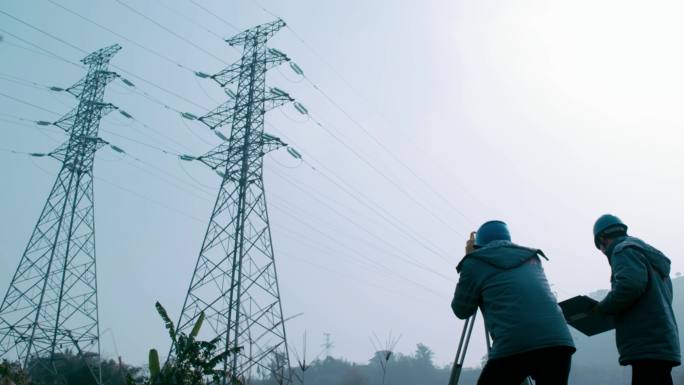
198, 325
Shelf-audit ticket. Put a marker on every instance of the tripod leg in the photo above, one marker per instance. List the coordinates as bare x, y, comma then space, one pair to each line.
462, 348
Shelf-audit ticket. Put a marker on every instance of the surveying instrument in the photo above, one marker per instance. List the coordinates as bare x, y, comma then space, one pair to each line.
463, 347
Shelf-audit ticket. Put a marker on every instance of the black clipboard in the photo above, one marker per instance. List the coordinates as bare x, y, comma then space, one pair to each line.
578, 314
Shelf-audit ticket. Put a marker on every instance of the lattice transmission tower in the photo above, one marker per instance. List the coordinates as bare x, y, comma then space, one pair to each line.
51, 304
234, 282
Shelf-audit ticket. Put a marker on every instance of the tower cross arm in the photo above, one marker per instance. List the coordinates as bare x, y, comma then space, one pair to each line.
67, 120
104, 76
217, 157
276, 99
101, 55
272, 143
100, 108
265, 31
275, 57
219, 116
228, 75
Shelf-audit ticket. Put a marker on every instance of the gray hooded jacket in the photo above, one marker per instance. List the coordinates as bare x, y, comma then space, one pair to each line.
508, 283
640, 299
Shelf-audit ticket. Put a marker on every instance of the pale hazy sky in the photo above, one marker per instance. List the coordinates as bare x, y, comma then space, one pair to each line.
543, 114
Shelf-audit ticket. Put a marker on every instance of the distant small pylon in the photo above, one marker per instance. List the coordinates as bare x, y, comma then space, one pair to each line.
328, 345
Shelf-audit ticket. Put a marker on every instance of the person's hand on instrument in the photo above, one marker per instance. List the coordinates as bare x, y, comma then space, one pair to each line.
470, 244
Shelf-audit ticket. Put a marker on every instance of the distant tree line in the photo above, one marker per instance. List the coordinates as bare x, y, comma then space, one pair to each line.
594, 363
71, 369
401, 369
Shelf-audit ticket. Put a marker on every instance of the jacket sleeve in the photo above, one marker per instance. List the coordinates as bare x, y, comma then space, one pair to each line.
468, 293
630, 278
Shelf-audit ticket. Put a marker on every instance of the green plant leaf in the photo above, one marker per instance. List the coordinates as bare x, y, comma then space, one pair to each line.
155, 368
198, 325
167, 321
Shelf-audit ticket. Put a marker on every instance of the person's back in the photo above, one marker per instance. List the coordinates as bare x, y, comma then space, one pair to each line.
640, 300
645, 326
519, 309
530, 335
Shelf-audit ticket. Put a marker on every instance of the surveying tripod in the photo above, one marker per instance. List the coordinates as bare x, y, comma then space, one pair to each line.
463, 347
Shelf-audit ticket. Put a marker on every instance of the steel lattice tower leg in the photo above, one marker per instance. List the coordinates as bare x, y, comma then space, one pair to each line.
51, 304
235, 282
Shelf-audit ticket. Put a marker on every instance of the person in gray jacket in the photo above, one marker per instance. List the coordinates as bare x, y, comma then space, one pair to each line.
640, 300
507, 282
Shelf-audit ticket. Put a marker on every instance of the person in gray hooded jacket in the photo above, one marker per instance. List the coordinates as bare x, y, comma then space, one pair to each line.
508, 284
640, 301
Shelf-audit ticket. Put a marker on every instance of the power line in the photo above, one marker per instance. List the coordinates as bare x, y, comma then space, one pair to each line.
367, 231
41, 31
168, 207
156, 53
281, 228
16, 117
401, 188
189, 129
129, 73
143, 127
24, 83
383, 175
158, 87
42, 132
158, 174
387, 150
155, 100
346, 246
377, 141
195, 181
128, 116
189, 20
300, 219
396, 253
378, 265
166, 106
367, 202
381, 212
150, 50
129, 7
173, 184
125, 154
14, 151
354, 277
313, 84
388, 274
46, 52
226, 22
152, 146
132, 192
28, 103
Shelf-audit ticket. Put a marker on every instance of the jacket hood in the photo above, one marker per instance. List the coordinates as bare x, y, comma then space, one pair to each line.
658, 260
502, 255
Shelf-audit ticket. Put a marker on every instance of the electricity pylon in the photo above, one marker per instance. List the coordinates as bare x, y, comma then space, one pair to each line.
235, 282
51, 304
